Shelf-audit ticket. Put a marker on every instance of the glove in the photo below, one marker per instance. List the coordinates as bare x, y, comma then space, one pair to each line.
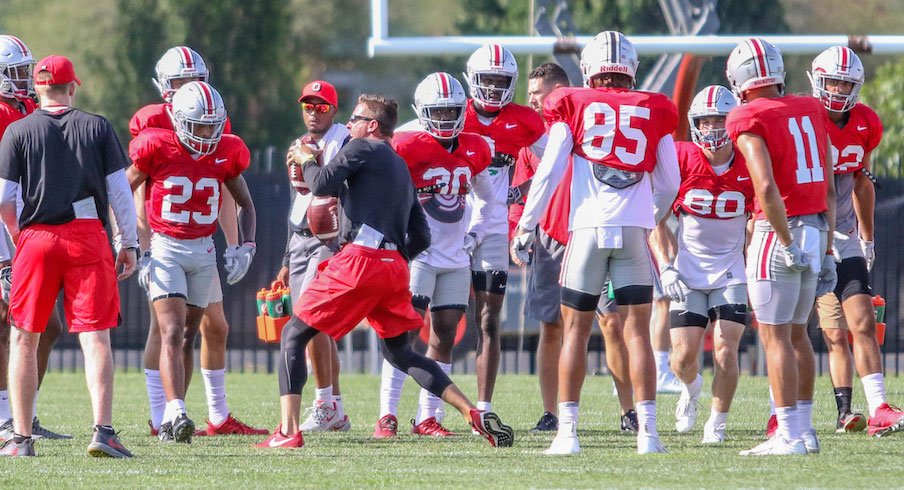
795, 258
514, 195
520, 248
6, 282
238, 261
828, 277
471, 242
502, 160
144, 270
430, 189
672, 284
869, 253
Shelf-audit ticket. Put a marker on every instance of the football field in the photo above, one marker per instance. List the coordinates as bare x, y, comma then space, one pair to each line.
354, 460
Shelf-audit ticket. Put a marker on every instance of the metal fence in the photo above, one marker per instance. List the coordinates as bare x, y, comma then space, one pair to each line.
359, 352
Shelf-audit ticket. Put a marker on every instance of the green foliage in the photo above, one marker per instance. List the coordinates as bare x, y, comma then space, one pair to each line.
883, 94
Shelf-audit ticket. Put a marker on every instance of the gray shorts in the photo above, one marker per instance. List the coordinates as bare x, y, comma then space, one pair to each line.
779, 295
587, 264
700, 301
182, 268
216, 289
446, 287
544, 295
305, 254
492, 254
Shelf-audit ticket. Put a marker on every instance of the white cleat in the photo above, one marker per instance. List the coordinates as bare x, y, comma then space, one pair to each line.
564, 445
686, 412
777, 446
324, 417
810, 441
649, 444
667, 383
713, 435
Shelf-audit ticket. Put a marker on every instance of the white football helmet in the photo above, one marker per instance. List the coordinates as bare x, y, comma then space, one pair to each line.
837, 63
492, 60
752, 64
608, 52
195, 107
16, 63
440, 91
178, 62
714, 100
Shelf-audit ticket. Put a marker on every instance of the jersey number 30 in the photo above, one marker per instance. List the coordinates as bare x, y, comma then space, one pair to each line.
184, 189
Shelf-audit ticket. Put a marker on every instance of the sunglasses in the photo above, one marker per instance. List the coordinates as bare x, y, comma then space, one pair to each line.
355, 118
318, 108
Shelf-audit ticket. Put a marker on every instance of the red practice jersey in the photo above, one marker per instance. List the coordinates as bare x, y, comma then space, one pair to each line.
10, 114
156, 116
859, 136
616, 127
514, 127
554, 221
794, 129
183, 198
707, 195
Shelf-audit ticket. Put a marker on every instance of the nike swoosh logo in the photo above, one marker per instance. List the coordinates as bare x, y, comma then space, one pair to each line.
742, 179
219, 161
470, 153
861, 128
275, 443
510, 126
210, 250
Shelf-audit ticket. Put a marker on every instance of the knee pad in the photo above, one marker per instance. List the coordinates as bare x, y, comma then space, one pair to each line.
580, 300
420, 301
492, 282
684, 318
634, 295
733, 313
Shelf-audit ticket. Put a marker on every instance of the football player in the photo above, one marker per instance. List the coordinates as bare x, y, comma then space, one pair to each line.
624, 180
445, 163
319, 105
491, 76
177, 67
783, 139
16, 91
705, 279
855, 131
184, 170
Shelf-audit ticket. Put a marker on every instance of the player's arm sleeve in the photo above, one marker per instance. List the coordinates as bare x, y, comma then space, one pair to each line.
666, 177
287, 255
550, 171
8, 191
539, 147
418, 234
483, 190
120, 195
327, 180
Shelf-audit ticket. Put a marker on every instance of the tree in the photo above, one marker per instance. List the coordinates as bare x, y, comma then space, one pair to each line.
883, 94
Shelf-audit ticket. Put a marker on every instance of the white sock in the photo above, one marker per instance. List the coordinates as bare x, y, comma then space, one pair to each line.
440, 412
805, 414
426, 405
156, 396
5, 414
771, 402
874, 388
174, 408
695, 387
340, 410
646, 417
215, 389
717, 418
568, 419
662, 362
391, 389
34, 405
788, 427
325, 395
485, 406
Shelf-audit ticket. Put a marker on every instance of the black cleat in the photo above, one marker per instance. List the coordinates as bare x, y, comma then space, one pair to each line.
183, 429
629, 421
39, 432
165, 432
106, 444
548, 422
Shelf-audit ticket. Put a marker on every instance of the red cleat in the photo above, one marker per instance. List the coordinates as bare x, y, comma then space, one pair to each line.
430, 427
387, 427
888, 419
771, 426
278, 440
492, 429
231, 426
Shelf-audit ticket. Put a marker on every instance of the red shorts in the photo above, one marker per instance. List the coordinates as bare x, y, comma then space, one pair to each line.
74, 257
356, 283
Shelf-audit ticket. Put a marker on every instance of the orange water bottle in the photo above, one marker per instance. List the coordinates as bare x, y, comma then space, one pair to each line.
262, 301
879, 307
274, 304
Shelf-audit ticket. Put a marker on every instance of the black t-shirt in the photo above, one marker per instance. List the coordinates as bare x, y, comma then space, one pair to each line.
374, 187
59, 159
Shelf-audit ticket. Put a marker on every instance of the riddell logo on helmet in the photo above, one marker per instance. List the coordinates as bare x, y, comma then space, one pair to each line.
614, 69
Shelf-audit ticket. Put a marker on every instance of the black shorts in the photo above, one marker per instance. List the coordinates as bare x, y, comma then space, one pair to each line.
853, 278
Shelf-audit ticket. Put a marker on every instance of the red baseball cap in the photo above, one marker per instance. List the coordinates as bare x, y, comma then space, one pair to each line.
60, 69
320, 89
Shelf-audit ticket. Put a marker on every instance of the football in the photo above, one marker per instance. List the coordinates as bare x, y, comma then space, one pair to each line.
323, 217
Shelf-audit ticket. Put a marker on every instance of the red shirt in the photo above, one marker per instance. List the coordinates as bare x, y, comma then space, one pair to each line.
859, 136
794, 129
155, 116
554, 221
707, 195
514, 127
431, 163
10, 114
183, 199
616, 127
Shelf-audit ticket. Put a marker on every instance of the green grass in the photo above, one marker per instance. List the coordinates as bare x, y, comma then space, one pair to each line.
353, 459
